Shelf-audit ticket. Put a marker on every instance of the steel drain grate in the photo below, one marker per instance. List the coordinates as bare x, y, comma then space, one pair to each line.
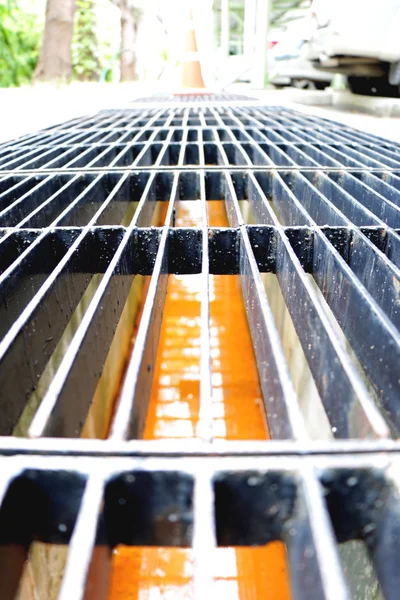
207, 97
312, 204
203, 137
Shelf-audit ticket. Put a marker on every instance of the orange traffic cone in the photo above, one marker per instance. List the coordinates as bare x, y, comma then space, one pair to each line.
192, 78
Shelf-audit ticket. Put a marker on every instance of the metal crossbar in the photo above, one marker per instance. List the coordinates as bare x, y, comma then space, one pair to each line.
311, 203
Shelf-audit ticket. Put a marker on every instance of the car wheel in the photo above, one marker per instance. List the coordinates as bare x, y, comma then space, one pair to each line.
322, 85
373, 86
303, 84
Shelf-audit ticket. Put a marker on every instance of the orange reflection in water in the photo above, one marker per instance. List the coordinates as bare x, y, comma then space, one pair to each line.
166, 573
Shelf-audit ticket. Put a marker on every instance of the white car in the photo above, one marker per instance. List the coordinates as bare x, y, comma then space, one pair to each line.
288, 63
360, 39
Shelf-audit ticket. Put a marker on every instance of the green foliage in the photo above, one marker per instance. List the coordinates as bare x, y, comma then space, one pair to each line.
19, 44
85, 62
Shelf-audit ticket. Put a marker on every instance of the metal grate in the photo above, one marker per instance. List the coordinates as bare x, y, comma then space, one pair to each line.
323, 201
194, 97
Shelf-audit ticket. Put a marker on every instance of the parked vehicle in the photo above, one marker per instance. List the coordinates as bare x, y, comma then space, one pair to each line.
360, 40
288, 64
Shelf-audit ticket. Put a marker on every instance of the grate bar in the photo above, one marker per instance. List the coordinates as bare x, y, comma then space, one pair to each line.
315, 565
77, 582
284, 417
130, 414
204, 542
205, 426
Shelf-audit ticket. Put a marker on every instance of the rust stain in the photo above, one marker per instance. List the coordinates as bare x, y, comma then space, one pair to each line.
240, 573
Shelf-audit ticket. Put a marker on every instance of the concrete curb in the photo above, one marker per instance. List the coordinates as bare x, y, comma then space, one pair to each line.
372, 105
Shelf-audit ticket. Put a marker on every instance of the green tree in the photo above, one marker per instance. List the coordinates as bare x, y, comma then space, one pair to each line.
19, 44
85, 61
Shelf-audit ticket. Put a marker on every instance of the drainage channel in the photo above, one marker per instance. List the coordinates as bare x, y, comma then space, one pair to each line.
134, 242
173, 413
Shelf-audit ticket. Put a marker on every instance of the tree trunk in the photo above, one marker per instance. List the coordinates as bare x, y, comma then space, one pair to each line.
55, 63
128, 40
